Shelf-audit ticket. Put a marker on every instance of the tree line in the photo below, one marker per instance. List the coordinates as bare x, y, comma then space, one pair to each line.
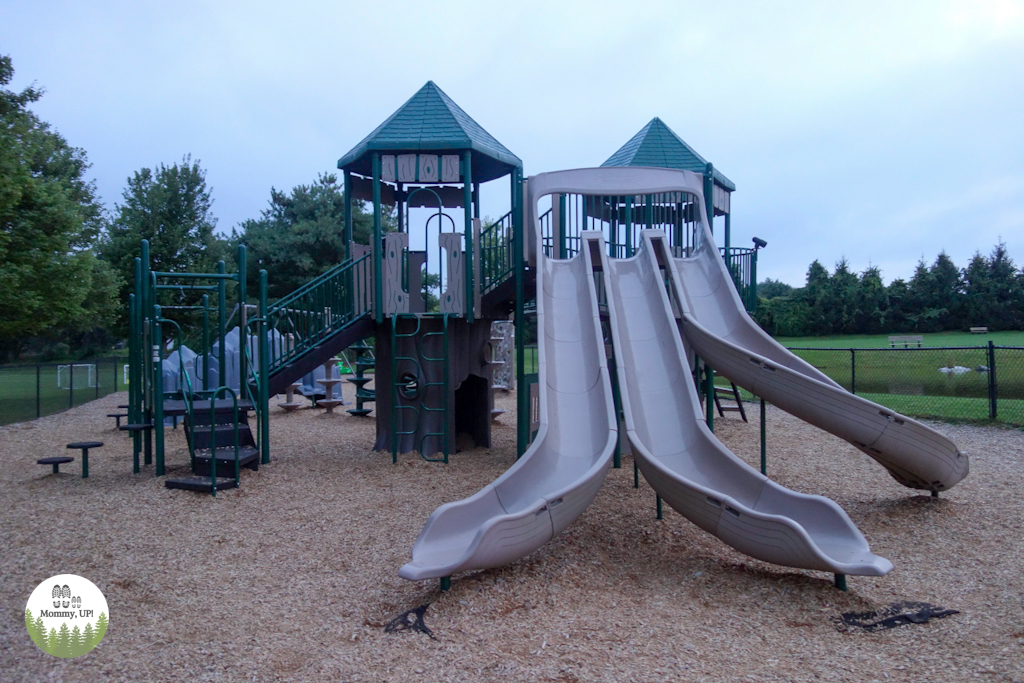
988, 292
67, 263
65, 642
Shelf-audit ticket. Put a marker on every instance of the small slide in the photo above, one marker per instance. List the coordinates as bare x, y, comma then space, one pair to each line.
716, 324
684, 462
561, 472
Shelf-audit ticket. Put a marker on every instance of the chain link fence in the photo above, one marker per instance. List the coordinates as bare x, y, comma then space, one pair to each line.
957, 383
31, 391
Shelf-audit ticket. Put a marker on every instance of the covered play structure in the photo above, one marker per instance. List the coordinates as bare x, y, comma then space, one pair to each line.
615, 271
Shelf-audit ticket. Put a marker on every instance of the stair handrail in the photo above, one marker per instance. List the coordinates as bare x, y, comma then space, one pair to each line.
318, 309
496, 245
213, 437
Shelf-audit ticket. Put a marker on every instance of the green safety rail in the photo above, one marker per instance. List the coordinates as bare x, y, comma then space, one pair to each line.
318, 310
496, 250
742, 264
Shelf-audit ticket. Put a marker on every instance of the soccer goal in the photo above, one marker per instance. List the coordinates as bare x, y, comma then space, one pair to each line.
79, 375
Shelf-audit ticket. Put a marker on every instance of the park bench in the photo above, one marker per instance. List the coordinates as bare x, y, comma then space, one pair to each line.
906, 340
979, 330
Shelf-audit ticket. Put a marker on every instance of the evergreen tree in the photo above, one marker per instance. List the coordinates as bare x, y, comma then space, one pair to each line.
1006, 310
88, 637
30, 624
302, 234
770, 289
41, 630
101, 627
53, 642
872, 303
64, 641
77, 645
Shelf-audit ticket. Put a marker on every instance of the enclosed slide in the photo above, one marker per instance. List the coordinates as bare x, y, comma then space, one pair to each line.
561, 472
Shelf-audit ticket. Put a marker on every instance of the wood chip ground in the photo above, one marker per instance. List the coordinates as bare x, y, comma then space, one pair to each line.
293, 576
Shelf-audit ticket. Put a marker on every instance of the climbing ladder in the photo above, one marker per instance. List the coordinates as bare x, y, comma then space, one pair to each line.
729, 394
363, 360
408, 388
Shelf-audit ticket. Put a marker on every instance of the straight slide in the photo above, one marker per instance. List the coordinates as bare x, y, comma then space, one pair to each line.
684, 462
716, 324
561, 472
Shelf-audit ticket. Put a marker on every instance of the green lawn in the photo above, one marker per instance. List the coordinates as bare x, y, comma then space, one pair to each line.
18, 389
881, 341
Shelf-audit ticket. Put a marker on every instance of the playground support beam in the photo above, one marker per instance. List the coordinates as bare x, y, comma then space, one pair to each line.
709, 195
264, 379
518, 249
348, 214
467, 202
242, 317
206, 342
378, 284
222, 310
158, 391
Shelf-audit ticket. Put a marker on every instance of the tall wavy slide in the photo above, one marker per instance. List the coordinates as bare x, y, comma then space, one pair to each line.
684, 462
561, 472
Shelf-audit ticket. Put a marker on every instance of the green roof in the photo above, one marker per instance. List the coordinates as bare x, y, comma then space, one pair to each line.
431, 122
657, 145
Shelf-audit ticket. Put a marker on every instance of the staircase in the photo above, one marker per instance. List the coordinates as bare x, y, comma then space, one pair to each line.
319, 320
214, 434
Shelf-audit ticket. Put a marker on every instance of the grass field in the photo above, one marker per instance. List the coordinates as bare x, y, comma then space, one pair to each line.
881, 341
18, 389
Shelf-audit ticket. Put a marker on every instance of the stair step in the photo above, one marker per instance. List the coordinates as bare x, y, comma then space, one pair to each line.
365, 363
360, 381
248, 457
200, 483
367, 394
360, 412
496, 413
360, 347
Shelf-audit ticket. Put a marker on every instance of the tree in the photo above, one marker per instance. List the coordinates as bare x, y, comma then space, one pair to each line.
101, 628
88, 637
63, 642
301, 235
49, 218
872, 303
77, 646
769, 289
171, 207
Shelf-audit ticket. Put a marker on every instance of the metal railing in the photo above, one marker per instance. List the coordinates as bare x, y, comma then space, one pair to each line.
496, 253
318, 309
742, 264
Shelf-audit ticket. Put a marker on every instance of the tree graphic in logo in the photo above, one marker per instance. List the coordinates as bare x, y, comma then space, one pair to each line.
76, 624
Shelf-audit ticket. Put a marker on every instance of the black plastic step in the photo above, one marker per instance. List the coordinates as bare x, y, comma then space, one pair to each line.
205, 436
174, 408
367, 394
201, 484
248, 457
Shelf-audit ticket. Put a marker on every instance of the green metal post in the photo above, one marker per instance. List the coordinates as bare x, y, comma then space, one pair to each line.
993, 390
709, 401
446, 583
659, 506
617, 399
145, 309
348, 212
764, 456
709, 195
134, 339
467, 199
636, 473
206, 342
243, 317
728, 241
753, 281
378, 280
518, 240
841, 582
222, 315
158, 392
629, 225
264, 378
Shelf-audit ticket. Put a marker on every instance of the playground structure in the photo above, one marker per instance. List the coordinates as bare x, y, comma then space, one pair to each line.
671, 307
635, 308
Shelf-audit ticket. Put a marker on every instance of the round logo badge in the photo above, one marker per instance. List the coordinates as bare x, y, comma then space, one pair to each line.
67, 615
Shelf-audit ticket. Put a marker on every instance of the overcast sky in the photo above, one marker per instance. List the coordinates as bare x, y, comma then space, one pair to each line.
882, 132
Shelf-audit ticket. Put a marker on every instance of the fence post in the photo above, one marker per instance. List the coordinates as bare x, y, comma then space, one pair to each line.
97, 379
992, 394
853, 371
115, 375
38, 407
71, 392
